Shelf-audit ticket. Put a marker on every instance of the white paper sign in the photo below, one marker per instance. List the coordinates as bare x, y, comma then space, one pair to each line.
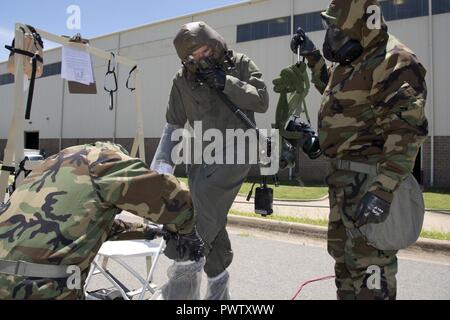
76, 65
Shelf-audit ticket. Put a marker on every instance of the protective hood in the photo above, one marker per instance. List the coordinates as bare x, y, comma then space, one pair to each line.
195, 35
356, 18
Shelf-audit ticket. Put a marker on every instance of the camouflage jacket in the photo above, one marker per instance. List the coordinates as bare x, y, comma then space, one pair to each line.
373, 109
63, 211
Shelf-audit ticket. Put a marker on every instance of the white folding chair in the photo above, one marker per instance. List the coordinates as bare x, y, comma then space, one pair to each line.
118, 251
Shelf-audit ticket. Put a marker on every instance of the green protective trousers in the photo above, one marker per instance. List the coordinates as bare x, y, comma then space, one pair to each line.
213, 189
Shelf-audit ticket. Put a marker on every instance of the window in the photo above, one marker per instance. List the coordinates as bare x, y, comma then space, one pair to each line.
264, 29
308, 21
441, 6
52, 69
260, 30
403, 9
279, 27
6, 78
244, 32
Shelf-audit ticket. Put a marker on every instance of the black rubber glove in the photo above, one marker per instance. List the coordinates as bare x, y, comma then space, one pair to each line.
301, 40
215, 78
191, 243
152, 231
371, 209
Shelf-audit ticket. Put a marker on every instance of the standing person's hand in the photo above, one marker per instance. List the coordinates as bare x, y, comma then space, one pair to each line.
215, 78
301, 40
371, 209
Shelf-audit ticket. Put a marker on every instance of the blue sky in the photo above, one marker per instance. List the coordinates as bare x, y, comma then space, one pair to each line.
98, 17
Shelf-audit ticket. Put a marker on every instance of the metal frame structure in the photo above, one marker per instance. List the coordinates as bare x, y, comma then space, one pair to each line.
118, 251
14, 151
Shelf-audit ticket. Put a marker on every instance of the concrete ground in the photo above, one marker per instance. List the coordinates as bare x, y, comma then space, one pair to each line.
272, 265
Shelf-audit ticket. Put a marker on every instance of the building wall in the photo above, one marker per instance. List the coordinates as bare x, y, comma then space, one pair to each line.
441, 161
87, 117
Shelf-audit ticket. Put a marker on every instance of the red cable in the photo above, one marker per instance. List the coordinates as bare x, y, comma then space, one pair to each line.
310, 281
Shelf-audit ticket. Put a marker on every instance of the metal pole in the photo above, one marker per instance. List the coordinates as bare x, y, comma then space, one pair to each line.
431, 89
116, 95
292, 24
61, 133
139, 139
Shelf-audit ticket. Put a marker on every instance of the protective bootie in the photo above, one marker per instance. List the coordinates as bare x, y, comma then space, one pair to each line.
184, 281
217, 288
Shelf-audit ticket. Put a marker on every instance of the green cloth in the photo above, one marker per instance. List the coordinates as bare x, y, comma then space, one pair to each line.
293, 80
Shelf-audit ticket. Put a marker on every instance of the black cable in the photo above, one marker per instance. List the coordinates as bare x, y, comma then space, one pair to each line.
128, 79
245, 119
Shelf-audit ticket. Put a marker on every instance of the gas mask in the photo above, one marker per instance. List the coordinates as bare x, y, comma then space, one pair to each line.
195, 66
338, 47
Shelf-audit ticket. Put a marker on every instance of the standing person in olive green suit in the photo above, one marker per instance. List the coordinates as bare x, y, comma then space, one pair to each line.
194, 99
57, 219
371, 126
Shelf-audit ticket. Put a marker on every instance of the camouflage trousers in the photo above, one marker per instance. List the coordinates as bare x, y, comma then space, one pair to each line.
362, 271
23, 288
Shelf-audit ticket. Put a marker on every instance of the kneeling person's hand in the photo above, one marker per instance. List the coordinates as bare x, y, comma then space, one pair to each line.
191, 244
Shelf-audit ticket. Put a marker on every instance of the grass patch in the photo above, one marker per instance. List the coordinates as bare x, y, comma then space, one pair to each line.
435, 235
244, 235
316, 222
290, 192
287, 190
436, 198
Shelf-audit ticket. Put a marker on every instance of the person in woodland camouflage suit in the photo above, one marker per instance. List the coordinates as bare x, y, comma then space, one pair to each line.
64, 210
371, 126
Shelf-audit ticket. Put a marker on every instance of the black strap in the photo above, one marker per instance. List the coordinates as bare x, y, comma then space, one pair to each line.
129, 76
36, 36
35, 58
31, 88
251, 192
17, 174
9, 169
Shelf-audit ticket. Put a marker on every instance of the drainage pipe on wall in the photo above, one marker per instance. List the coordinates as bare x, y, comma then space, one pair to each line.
431, 87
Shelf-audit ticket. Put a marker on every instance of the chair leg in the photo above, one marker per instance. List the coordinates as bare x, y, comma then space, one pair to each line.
105, 263
152, 269
113, 282
89, 276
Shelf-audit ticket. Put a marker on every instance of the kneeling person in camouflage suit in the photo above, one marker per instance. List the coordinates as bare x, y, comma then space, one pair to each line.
60, 215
